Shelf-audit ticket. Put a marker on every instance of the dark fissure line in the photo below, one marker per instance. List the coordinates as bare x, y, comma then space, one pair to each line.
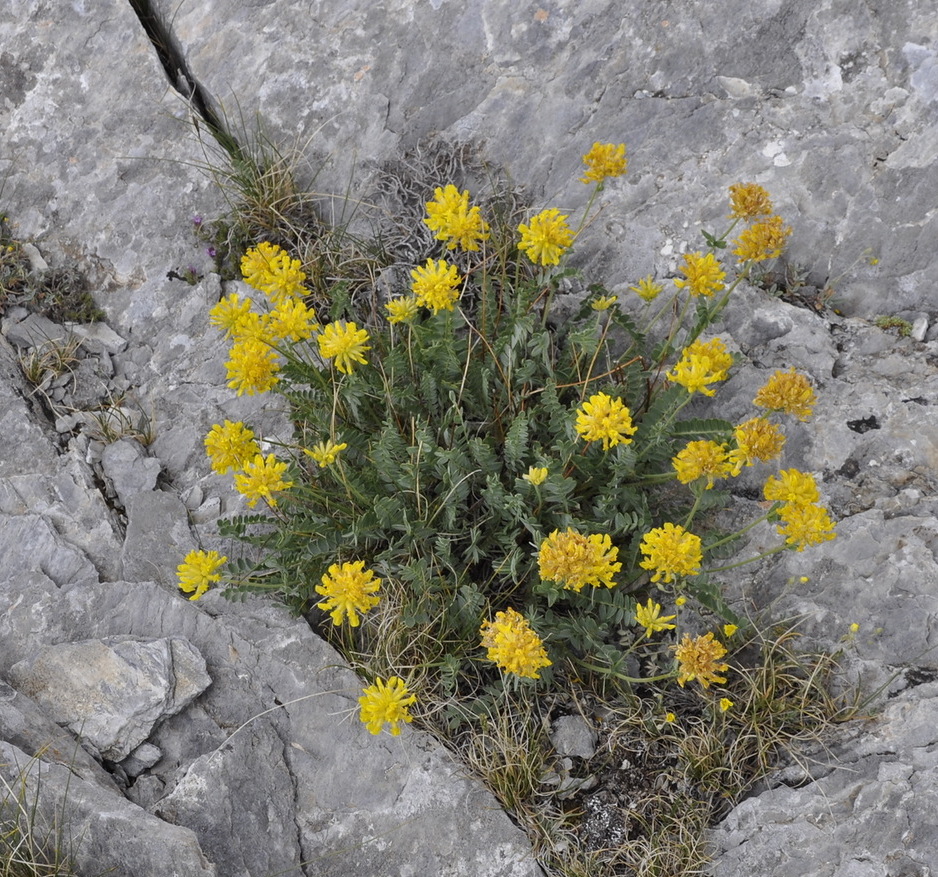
180, 78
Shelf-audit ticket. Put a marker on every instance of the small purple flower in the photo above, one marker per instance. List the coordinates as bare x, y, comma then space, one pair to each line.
211, 252
197, 221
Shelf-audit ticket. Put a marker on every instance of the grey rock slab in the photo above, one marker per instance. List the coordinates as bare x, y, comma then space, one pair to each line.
30, 544
103, 833
281, 715
828, 105
865, 815
34, 330
25, 725
158, 537
129, 469
112, 692
574, 735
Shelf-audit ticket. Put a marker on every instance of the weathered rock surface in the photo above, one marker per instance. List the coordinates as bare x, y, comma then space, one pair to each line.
831, 105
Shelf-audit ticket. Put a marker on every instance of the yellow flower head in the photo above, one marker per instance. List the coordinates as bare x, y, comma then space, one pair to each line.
792, 486
198, 571
350, 589
699, 659
230, 446
253, 367
756, 439
790, 392
647, 289
649, 616
671, 551
702, 363
345, 343
764, 240
702, 274
386, 703
729, 630
226, 314
725, 704
253, 327
680, 601
454, 221
270, 269
292, 320
702, 458
574, 560
260, 478
536, 475
513, 645
670, 718
402, 309
749, 200
804, 525
436, 285
604, 302
545, 239
602, 418
325, 453
604, 160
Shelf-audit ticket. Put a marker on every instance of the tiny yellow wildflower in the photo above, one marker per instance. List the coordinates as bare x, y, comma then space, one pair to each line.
536, 475
699, 659
804, 525
702, 459
703, 275
603, 418
198, 571
260, 478
226, 314
253, 367
229, 446
756, 439
854, 628
350, 589
604, 160
670, 718
513, 645
792, 486
649, 616
435, 285
402, 309
749, 200
604, 302
729, 630
764, 240
671, 551
680, 601
386, 703
790, 392
345, 343
647, 289
325, 453
702, 363
546, 238
725, 704
574, 560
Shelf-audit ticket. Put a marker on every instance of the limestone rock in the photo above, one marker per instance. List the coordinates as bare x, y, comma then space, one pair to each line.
101, 831
129, 469
112, 692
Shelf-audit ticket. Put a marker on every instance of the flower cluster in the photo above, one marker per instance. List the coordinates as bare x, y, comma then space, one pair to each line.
261, 478
229, 446
604, 160
702, 274
804, 521
649, 616
513, 645
344, 343
546, 238
702, 363
325, 453
270, 269
198, 571
454, 221
749, 201
703, 459
699, 659
602, 418
671, 551
436, 285
386, 703
756, 439
574, 560
762, 240
646, 289
350, 590
789, 392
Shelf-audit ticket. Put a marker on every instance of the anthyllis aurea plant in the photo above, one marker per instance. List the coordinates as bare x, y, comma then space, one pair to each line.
524, 496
